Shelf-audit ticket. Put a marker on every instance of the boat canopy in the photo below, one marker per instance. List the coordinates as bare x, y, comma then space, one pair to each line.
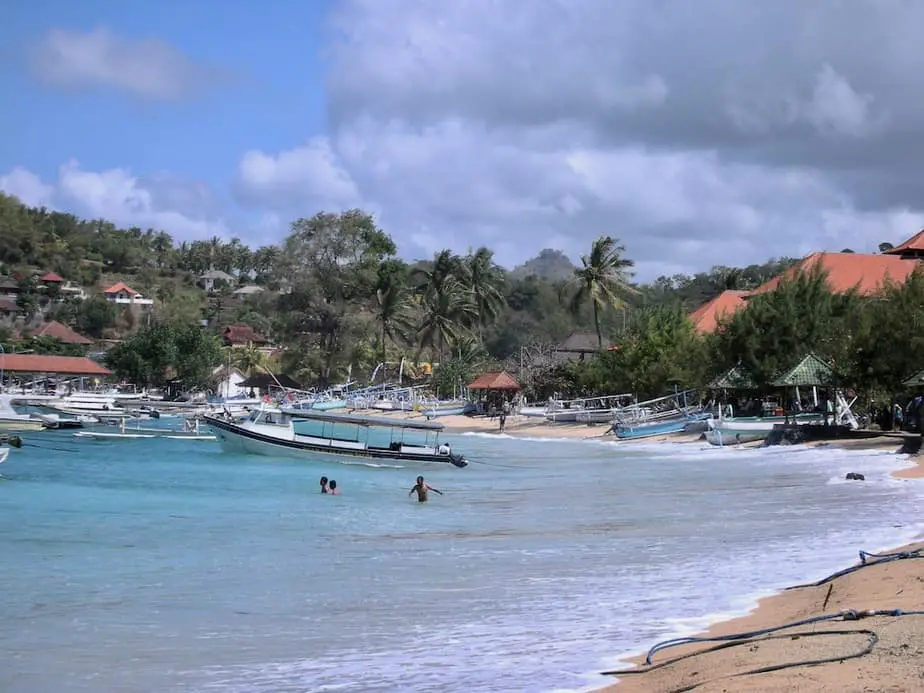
353, 420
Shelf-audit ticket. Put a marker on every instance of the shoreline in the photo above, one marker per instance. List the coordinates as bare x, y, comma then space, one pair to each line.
879, 585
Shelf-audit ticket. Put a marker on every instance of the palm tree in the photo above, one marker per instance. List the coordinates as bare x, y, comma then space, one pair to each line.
446, 314
249, 359
601, 280
391, 303
485, 279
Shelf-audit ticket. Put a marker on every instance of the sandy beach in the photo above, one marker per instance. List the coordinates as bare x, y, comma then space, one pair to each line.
875, 653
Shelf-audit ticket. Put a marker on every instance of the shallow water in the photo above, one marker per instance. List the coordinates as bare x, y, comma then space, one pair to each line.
171, 566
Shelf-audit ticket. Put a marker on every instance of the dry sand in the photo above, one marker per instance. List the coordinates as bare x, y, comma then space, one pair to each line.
894, 664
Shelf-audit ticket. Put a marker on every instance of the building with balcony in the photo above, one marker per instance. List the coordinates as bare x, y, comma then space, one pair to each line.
122, 294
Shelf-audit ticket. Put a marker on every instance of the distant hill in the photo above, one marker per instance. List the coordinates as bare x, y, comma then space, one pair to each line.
549, 264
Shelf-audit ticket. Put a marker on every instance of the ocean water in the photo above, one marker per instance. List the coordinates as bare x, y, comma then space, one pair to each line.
170, 566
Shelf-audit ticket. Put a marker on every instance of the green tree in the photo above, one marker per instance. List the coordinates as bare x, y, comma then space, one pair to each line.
602, 280
332, 261
94, 315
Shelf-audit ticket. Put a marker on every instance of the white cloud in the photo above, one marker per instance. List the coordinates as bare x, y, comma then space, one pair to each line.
117, 196
532, 188
307, 173
702, 133
836, 108
145, 67
27, 186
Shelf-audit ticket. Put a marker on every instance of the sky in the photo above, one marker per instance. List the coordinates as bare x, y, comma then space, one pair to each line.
715, 132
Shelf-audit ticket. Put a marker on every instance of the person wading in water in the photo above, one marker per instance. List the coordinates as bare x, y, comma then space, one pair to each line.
422, 488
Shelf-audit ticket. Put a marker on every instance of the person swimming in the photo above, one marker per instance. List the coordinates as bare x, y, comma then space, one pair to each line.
333, 488
324, 488
422, 488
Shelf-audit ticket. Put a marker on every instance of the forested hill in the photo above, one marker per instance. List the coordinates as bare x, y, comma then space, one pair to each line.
335, 293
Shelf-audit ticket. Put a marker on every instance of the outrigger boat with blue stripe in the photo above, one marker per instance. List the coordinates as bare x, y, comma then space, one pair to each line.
272, 431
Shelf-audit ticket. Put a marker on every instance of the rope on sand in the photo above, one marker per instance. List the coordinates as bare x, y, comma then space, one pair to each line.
747, 638
864, 563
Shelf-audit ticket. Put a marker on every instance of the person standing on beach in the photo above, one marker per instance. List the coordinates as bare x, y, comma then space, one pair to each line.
422, 488
503, 420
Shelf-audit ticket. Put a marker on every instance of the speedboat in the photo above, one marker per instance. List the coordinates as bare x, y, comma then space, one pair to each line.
271, 431
12, 420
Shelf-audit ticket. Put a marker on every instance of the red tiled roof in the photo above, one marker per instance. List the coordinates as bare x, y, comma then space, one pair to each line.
61, 332
31, 363
121, 286
494, 381
865, 273
52, 277
242, 334
706, 318
9, 306
916, 242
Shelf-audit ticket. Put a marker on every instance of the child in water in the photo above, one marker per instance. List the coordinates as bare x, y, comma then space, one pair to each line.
324, 484
422, 488
333, 488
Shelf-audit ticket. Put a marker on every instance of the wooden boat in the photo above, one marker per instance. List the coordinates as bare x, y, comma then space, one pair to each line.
748, 429
270, 431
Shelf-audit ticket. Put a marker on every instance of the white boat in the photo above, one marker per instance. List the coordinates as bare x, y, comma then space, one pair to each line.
734, 431
271, 431
12, 420
4, 453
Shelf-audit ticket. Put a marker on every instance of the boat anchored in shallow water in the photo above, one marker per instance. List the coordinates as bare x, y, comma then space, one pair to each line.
271, 431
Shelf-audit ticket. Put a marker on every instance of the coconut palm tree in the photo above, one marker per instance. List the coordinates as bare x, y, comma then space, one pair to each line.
603, 279
392, 304
249, 359
486, 281
446, 314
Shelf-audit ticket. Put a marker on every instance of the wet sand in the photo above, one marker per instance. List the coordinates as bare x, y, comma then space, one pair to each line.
892, 665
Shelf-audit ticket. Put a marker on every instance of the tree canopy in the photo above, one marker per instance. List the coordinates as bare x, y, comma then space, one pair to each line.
336, 299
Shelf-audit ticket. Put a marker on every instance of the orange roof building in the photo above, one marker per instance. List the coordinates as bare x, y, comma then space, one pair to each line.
706, 318
913, 247
120, 287
501, 380
61, 332
65, 365
865, 273
51, 278
845, 271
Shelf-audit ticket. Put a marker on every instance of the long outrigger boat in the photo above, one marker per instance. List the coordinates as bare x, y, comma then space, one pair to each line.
271, 431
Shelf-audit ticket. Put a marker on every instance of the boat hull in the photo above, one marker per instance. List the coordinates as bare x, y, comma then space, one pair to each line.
21, 425
646, 430
747, 430
234, 438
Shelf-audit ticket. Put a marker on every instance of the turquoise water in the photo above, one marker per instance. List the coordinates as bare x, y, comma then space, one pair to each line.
171, 566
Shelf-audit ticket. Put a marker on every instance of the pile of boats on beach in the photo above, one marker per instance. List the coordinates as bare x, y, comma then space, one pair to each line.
382, 422
674, 413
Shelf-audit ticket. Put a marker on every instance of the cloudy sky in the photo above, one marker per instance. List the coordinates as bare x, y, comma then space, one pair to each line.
699, 133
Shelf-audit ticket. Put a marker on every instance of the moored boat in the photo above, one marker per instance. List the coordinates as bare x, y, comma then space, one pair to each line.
271, 431
734, 431
12, 420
